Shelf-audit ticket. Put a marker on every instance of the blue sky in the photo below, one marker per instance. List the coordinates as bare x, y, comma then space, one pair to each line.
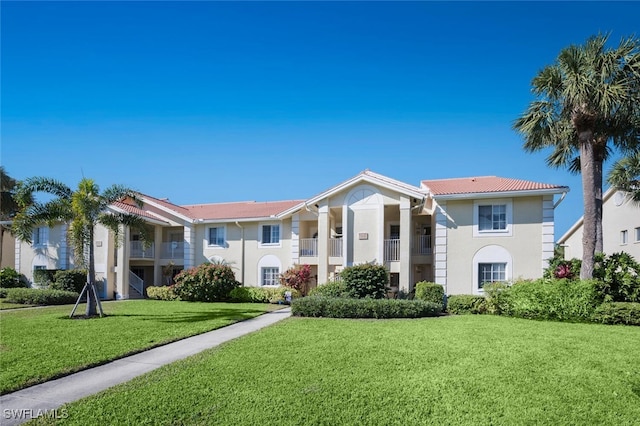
229, 101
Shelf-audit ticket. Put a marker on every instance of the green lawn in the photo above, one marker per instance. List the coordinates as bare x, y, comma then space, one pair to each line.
39, 344
469, 370
7, 305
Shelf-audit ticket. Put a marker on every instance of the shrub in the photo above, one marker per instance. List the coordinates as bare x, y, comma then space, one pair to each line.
461, 304
10, 278
620, 276
366, 280
37, 296
617, 313
430, 292
331, 289
297, 277
205, 283
3, 293
262, 294
339, 307
559, 300
44, 277
560, 268
70, 280
496, 297
163, 292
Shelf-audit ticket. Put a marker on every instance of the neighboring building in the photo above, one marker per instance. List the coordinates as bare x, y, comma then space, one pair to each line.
620, 228
8, 257
459, 233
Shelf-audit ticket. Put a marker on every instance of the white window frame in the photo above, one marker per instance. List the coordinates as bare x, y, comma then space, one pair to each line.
624, 237
492, 265
507, 232
270, 244
223, 244
637, 235
274, 273
40, 236
490, 254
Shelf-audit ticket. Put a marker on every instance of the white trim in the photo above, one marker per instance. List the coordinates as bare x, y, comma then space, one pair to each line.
260, 234
268, 261
491, 254
508, 231
523, 193
146, 219
440, 246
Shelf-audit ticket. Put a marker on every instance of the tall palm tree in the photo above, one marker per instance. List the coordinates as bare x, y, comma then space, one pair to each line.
625, 176
82, 209
8, 206
586, 105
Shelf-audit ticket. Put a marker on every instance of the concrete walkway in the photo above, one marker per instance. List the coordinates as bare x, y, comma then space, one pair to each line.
23, 405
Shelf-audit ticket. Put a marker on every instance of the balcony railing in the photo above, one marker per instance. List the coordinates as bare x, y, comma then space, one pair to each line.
172, 250
335, 247
138, 251
422, 245
308, 247
391, 250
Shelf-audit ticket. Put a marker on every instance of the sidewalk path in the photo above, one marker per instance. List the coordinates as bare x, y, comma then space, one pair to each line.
20, 406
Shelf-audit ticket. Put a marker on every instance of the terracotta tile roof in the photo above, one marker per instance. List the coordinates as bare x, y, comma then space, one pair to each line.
138, 211
483, 184
239, 210
169, 205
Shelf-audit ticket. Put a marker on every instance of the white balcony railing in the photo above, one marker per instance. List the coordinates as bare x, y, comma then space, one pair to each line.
308, 247
172, 250
391, 250
422, 245
335, 247
138, 251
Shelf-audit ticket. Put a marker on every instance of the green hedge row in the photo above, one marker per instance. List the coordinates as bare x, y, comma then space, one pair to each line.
462, 304
617, 313
36, 296
162, 293
262, 294
337, 307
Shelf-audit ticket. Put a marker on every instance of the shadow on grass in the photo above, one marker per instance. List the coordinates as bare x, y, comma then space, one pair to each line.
183, 316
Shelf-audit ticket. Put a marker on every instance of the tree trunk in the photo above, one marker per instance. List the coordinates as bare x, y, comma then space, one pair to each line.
589, 191
599, 154
91, 279
1, 241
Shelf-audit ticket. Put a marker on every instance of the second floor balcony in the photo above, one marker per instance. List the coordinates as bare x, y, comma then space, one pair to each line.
137, 250
309, 247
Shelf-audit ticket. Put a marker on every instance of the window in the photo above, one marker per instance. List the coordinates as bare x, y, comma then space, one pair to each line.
270, 234
40, 236
216, 236
637, 235
492, 218
394, 232
491, 272
270, 276
624, 237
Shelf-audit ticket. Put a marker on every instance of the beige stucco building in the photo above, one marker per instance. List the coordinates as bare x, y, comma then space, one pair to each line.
459, 233
620, 228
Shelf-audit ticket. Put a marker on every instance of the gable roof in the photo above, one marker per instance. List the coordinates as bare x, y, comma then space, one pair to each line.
364, 176
605, 197
239, 210
487, 185
120, 206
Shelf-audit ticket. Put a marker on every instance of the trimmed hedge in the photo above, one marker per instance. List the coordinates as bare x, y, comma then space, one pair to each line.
430, 292
37, 296
461, 304
44, 277
331, 289
206, 283
3, 293
162, 293
337, 307
555, 299
10, 278
366, 280
69, 280
262, 294
617, 313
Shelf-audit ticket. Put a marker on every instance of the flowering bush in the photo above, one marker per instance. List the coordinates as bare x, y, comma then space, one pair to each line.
205, 283
297, 277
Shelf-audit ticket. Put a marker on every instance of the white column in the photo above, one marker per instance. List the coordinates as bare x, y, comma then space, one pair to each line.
157, 245
295, 239
405, 244
122, 270
324, 233
63, 255
189, 245
548, 238
440, 247
17, 245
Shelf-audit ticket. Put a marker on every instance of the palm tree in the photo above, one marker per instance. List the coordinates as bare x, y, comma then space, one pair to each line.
587, 103
8, 206
625, 176
82, 209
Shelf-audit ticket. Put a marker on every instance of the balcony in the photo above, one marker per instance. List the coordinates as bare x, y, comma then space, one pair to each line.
335, 247
391, 250
422, 245
172, 250
138, 251
308, 247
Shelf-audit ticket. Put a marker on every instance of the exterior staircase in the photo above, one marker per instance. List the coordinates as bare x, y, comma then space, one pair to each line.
136, 286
